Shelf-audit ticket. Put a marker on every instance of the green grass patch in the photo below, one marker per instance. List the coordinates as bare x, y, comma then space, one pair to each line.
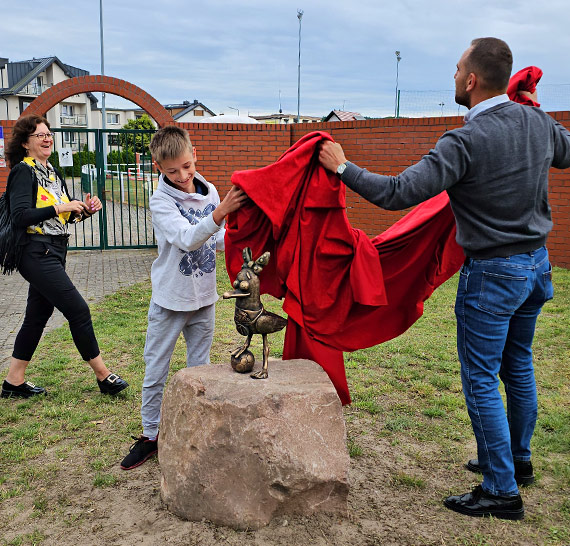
406, 395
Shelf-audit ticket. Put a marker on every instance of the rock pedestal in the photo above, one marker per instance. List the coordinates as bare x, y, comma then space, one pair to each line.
238, 451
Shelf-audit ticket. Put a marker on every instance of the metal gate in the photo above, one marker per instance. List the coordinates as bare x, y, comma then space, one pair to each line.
114, 164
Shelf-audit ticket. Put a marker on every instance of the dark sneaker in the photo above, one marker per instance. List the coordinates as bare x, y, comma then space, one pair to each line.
25, 390
478, 503
524, 474
112, 384
142, 450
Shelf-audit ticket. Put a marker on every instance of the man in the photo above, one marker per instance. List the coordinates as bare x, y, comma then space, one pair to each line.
495, 171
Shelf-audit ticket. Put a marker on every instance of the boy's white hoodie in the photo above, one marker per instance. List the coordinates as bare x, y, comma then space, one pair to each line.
183, 275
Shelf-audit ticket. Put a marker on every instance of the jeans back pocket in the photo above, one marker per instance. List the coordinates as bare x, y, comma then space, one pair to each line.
502, 294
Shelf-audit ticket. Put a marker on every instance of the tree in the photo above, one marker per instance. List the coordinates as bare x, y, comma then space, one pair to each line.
137, 142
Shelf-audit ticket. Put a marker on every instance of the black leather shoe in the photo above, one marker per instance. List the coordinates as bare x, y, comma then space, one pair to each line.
524, 474
480, 504
112, 384
25, 390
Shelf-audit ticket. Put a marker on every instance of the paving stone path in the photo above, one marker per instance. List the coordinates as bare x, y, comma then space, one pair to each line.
95, 273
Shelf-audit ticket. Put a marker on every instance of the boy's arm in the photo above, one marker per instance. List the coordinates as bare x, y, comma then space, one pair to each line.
168, 220
221, 239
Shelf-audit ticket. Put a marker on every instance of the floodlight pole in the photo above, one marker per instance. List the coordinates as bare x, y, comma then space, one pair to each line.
236, 109
299, 16
396, 109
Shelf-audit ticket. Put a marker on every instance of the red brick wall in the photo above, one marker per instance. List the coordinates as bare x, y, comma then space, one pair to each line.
381, 145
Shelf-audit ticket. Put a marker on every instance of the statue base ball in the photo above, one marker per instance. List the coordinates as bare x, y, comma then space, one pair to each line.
243, 364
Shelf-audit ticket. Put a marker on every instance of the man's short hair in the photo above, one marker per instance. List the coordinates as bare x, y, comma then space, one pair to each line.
169, 143
491, 59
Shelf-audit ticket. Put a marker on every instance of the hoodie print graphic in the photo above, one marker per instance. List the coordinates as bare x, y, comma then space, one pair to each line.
203, 260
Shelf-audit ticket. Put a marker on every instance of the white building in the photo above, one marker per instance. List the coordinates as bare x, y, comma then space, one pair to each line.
22, 81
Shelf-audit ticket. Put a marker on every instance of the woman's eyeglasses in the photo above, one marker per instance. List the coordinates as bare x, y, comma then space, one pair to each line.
43, 136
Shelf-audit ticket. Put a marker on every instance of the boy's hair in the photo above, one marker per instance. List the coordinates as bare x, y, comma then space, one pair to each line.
169, 143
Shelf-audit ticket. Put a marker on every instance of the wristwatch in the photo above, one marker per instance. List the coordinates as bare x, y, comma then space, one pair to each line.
340, 169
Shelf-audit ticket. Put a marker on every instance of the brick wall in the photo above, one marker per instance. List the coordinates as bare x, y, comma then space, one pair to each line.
381, 145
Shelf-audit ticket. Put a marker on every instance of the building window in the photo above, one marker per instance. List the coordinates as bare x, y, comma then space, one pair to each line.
67, 110
68, 137
113, 118
199, 113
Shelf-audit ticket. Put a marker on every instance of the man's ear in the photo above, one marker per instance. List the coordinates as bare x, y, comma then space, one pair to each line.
157, 165
471, 81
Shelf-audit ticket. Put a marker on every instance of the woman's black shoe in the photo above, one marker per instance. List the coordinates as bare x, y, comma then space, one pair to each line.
112, 384
25, 390
478, 503
524, 474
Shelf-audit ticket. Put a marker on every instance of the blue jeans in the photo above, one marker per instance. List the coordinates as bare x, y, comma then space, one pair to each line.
498, 302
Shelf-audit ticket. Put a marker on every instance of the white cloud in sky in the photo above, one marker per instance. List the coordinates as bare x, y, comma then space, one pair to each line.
242, 53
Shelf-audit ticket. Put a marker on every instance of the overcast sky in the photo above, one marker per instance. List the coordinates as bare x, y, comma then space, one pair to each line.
244, 53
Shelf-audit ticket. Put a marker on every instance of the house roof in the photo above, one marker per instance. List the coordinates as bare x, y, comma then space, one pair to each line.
21, 73
284, 116
344, 116
189, 107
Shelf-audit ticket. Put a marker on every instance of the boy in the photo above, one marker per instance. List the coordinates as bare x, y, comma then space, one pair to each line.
188, 219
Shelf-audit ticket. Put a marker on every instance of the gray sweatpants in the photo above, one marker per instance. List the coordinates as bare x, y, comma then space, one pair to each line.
164, 327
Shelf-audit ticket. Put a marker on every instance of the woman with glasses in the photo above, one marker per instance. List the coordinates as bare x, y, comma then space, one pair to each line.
41, 211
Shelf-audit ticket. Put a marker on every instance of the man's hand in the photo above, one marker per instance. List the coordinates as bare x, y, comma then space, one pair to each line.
331, 155
233, 200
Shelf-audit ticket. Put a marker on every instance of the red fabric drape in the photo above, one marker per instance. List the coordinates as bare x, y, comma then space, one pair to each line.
341, 290
524, 80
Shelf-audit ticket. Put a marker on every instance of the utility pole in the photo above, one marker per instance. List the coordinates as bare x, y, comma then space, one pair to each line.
103, 112
299, 16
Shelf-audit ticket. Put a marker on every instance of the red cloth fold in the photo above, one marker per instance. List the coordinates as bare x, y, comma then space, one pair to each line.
524, 80
341, 290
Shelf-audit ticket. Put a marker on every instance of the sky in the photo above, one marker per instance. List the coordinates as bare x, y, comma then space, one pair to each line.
244, 54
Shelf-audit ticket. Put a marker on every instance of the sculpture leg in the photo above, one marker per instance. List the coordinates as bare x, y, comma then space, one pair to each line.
263, 373
240, 350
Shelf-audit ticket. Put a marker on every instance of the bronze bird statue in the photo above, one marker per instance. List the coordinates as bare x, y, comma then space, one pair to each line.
250, 316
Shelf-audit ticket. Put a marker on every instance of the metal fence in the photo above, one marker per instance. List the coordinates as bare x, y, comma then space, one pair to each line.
419, 104
116, 166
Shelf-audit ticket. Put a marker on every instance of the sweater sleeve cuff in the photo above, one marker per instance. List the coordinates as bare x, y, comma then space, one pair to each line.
211, 224
350, 175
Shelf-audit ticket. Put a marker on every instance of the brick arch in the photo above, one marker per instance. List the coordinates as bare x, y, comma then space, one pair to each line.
84, 84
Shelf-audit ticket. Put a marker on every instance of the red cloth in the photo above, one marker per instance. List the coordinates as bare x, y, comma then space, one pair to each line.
524, 80
342, 291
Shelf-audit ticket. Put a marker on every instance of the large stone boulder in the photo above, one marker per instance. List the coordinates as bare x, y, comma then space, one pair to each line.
238, 451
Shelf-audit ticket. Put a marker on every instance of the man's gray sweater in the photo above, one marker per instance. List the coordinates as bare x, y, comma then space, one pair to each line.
495, 171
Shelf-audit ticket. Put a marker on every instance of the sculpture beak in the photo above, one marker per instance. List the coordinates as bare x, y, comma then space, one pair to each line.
235, 294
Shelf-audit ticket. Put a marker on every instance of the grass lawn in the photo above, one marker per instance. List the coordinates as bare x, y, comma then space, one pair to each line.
406, 397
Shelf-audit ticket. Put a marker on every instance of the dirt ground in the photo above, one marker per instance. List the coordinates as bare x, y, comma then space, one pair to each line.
382, 509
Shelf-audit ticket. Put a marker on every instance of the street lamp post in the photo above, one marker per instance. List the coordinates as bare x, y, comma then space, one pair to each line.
299, 16
398, 59
236, 109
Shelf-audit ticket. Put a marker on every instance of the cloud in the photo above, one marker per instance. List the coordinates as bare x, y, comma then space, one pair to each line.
244, 53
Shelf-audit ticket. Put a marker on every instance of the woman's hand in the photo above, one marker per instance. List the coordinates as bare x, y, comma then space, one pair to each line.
75, 206
92, 204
